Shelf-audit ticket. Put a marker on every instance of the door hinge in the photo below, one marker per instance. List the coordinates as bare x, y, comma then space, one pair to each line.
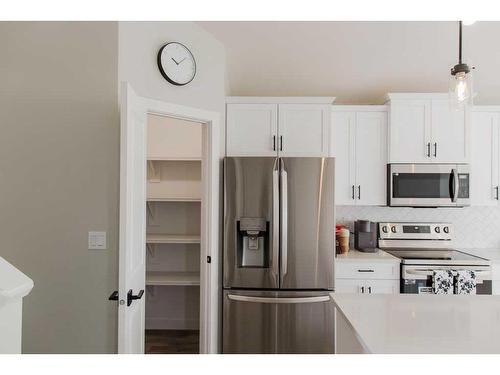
209, 259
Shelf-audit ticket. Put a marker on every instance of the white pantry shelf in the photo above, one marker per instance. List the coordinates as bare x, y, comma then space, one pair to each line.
171, 238
173, 199
172, 278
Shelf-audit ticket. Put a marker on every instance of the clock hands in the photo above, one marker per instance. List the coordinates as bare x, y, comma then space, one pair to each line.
177, 63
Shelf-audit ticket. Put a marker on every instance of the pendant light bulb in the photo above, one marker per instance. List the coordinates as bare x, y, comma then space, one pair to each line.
461, 79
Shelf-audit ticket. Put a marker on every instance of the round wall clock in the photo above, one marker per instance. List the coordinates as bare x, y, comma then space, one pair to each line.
176, 63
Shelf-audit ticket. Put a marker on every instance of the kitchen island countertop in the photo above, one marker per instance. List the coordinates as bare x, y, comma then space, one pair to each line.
389, 324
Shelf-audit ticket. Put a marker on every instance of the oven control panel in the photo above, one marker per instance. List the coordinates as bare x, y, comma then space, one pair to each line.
417, 231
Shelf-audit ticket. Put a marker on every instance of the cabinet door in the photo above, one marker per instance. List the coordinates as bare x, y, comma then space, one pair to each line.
371, 158
349, 286
251, 129
342, 140
484, 158
304, 129
409, 128
382, 286
448, 133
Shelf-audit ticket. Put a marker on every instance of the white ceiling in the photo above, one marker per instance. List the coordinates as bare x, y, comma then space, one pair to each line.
358, 62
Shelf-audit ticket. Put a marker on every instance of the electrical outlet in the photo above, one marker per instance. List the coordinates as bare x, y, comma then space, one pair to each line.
97, 241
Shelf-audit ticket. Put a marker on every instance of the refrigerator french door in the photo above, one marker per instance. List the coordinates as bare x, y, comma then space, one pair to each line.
278, 239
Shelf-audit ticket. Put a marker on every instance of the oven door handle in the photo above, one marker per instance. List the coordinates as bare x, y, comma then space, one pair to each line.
430, 272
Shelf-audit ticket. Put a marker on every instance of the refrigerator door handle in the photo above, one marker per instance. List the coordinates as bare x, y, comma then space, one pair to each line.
276, 230
235, 297
284, 221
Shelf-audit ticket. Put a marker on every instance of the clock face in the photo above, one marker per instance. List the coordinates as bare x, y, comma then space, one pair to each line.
176, 63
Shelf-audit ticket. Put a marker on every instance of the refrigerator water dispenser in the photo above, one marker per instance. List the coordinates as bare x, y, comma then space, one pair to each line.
253, 242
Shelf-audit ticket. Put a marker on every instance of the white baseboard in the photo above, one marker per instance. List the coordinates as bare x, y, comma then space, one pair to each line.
166, 323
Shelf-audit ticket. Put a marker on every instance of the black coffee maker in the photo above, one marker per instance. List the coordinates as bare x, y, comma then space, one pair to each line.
365, 236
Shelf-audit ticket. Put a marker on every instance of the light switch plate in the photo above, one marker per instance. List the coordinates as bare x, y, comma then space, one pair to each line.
97, 240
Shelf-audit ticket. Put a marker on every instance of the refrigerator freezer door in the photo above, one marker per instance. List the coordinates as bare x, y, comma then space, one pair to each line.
251, 222
307, 220
263, 322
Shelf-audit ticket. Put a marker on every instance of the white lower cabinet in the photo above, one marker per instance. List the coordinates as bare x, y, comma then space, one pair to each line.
367, 286
367, 273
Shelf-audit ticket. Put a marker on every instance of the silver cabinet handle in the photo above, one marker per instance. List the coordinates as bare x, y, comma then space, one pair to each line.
353, 192
435, 149
235, 297
359, 192
496, 196
428, 149
276, 224
284, 220
370, 289
274, 143
362, 289
366, 270
281, 143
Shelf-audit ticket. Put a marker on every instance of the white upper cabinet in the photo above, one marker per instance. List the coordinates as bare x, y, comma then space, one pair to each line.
485, 163
304, 129
252, 129
449, 133
278, 126
425, 129
410, 131
359, 134
371, 158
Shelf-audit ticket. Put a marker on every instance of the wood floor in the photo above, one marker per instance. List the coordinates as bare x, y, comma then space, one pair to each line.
172, 342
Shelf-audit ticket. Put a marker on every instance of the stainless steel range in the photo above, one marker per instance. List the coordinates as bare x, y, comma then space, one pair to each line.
426, 247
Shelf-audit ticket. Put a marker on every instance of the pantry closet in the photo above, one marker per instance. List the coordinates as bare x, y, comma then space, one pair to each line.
173, 205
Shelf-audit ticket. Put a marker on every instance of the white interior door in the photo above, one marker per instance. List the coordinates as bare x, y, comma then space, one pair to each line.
371, 158
132, 266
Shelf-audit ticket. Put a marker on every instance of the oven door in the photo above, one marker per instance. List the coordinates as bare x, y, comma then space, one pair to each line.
418, 279
428, 185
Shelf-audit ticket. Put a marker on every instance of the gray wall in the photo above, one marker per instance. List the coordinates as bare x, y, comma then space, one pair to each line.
59, 178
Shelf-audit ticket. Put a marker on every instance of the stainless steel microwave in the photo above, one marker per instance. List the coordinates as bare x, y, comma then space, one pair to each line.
428, 185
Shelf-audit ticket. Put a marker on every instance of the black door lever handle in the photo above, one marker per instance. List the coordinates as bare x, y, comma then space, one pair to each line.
113, 296
131, 297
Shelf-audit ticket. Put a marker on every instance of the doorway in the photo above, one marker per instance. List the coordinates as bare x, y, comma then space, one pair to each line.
169, 213
173, 201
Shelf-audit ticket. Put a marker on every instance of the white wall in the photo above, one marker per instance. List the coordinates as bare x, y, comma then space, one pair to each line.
59, 178
139, 43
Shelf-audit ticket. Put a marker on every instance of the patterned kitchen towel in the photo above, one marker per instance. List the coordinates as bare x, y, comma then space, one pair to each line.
465, 282
442, 282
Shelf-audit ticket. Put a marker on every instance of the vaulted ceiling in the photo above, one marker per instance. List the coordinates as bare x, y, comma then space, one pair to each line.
358, 62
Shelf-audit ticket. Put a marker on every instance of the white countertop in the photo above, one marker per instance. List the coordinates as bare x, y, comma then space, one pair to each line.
355, 255
408, 323
13, 283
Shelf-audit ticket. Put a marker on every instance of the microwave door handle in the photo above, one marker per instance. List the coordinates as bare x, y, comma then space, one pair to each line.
276, 225
284, 221
456, 185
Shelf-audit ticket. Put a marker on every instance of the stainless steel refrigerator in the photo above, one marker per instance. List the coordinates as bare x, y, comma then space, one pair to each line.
279, 251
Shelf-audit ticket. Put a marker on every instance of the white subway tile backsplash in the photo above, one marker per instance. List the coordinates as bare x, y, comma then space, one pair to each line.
475, 227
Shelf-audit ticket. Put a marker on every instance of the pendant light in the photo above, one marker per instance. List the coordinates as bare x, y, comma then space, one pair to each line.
461, 78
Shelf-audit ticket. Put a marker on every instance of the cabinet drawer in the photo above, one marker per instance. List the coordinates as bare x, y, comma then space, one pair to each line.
367, 271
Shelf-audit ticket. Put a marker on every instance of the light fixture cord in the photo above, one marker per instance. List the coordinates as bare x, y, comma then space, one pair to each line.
460, 42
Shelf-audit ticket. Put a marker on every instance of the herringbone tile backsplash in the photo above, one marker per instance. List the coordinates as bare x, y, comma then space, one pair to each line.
475, 227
